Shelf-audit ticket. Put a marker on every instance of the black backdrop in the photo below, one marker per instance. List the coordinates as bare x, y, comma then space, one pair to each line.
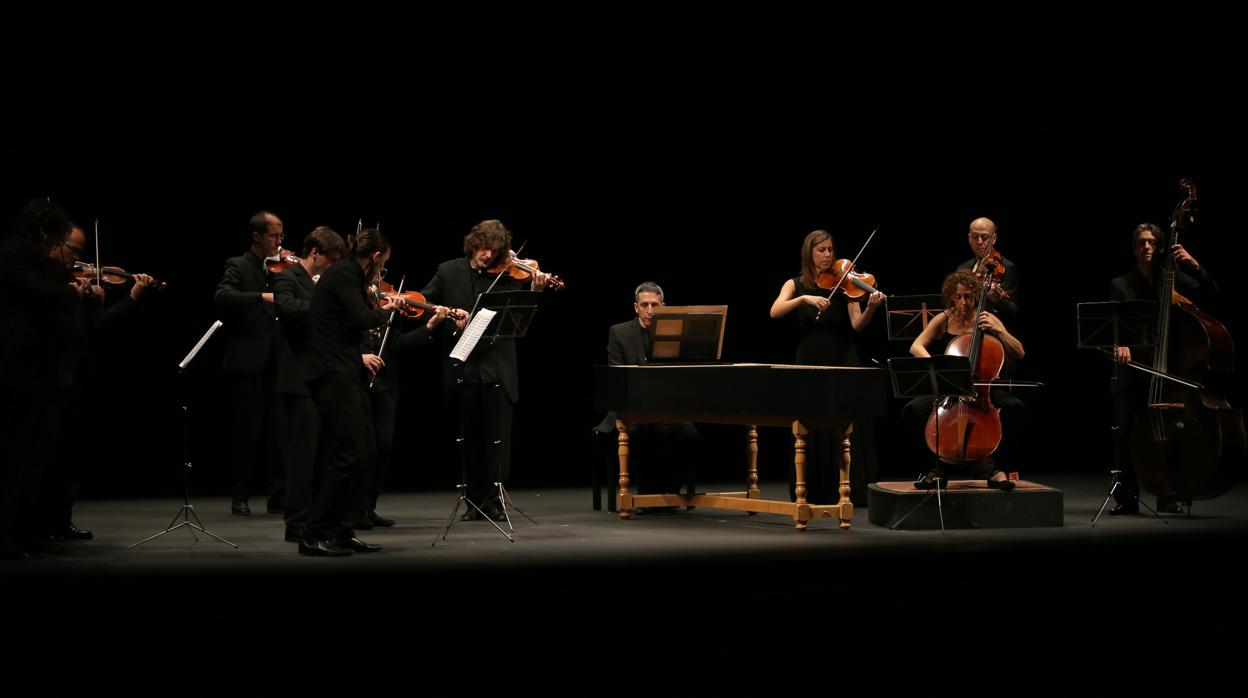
695, 151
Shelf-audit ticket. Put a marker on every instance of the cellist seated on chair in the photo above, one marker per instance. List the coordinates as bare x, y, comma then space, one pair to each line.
960, 292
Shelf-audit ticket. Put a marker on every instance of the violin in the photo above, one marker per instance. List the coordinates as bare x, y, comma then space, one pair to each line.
523, 270
991, 270
855, 285
109, 276
412, 304
285, 260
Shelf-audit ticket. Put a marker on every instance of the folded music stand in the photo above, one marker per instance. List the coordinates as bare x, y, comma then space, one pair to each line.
907, 316
513, 314
1106, 326
937, 376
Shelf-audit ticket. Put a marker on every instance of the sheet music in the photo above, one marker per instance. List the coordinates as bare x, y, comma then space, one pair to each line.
472, 334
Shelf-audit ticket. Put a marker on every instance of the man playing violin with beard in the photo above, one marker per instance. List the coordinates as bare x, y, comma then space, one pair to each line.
484, 389
1003, 298
68, 412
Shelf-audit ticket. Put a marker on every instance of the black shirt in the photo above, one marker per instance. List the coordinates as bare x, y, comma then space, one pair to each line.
340, 315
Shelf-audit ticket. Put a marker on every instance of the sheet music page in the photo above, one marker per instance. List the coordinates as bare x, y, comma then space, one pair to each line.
472, 334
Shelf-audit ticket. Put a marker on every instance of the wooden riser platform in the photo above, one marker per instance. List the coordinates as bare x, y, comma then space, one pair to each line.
967, 504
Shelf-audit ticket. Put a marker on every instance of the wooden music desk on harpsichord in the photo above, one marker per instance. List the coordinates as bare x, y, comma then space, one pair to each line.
799, 397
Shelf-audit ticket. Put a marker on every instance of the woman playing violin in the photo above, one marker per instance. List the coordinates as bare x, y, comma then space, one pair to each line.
960, 292
827, 330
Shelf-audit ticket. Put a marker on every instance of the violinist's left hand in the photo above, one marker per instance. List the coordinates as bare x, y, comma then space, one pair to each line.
141, 282
875, 299
436, 317
1182, 255
990, 323
539, 281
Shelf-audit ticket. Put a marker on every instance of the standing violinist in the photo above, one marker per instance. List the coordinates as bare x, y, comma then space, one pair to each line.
484, 389
33, 293
960, 292
69, 403
1003, 297
827, 338
244, 298
292, 294
1128, 387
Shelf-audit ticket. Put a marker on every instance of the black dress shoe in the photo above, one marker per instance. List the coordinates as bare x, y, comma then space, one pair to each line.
496, 512
294, 533
1004, 485
380, 521
928, 481
1122, 509
240, 508
322, 548
356, 545
1169, 506
71, 532
471, 515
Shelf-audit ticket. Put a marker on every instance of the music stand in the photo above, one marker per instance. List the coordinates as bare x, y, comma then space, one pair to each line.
506, 315
907, 316
686, 334
187, 512
936, 376
1105, 326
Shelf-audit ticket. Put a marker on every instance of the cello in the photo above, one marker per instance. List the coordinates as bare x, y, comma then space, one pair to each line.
1188, 442
965, 429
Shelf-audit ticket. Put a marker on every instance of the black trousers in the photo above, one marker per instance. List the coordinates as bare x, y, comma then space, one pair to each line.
255, 432
662, 456
303, 429
385, 409
24, 454
347, 451
1010, 455
484, 438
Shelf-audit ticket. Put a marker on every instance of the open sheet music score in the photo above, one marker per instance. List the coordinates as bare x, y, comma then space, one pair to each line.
472, 334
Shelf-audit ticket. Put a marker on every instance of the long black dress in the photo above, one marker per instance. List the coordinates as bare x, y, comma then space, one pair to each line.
830, 341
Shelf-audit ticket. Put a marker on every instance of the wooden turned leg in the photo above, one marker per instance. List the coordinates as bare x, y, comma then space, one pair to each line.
623, 498
799, 464
751, 477
846, 505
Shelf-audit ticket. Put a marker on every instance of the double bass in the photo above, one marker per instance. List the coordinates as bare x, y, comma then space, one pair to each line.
1188, 442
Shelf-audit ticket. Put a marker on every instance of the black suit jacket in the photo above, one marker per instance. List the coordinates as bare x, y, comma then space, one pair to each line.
626, 346
457, 285
252, 338
292, 294
35, 309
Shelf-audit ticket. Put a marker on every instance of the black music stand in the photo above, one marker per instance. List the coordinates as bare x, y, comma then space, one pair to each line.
1105, 326
686, 334
942, 375
514, 311
187, 512
907, 316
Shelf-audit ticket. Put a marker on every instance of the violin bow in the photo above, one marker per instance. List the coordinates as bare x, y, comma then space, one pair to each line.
99, 268
852, 266
389, 324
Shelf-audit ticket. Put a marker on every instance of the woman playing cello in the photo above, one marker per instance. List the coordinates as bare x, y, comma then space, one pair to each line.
960, 291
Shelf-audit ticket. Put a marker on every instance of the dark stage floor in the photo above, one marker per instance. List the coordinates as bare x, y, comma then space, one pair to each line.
582, 571
571, 536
